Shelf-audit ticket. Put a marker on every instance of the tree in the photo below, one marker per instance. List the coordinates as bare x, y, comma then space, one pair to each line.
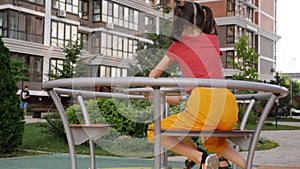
68, 68
285, 104
149, 55
11, 115
19, 70
246, 61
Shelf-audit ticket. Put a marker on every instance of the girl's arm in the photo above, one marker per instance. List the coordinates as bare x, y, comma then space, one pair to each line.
157, 71
160, 67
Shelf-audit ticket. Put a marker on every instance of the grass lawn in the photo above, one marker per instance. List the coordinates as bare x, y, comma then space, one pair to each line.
283, 119
270, 126
20, 153
35, 139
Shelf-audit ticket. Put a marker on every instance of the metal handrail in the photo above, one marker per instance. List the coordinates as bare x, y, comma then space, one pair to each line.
149, 81
264, 91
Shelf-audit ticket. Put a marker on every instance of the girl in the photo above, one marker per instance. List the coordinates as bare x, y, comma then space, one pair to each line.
195, 48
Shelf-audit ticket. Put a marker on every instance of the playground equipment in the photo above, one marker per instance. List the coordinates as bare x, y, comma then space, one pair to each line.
77, 134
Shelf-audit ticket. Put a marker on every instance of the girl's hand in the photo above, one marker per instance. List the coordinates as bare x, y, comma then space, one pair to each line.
148, 96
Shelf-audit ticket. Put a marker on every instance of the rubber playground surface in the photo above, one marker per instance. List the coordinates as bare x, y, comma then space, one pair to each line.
62, 161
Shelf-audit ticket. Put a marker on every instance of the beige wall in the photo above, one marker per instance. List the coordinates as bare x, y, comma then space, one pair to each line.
265, 67
267, 23
266, 47
267, 6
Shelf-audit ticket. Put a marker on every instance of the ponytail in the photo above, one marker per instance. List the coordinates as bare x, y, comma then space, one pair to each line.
177, 29
209, 26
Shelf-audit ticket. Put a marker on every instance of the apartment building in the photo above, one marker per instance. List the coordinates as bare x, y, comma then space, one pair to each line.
235, 18
35, 30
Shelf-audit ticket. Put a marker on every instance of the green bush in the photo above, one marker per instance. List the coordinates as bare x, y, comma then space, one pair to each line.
252, 119
55, 126
72, 115
130, 117
177, 109
11, 116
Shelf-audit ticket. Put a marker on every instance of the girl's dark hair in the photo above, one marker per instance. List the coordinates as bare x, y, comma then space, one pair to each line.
184, 15
209, 26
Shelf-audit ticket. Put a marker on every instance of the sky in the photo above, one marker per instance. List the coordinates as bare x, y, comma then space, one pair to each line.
288, 47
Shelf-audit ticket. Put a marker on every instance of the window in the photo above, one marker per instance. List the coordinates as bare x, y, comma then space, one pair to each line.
239, 9
71, 6
40, 2
21, 26
34, 32
84, 9
35, 64
114, 45
120, 15
149, 20
13, 25
238, 33
230, 34
97, 10
250, 41
83, 40
116, 14
164, 3
229, 58
230, 7
249, 14
110, 71
3, 24
151, 2
55, 65
150, 24
62, 33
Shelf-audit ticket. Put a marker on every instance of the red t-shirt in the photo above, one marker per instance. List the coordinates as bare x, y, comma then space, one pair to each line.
197, 56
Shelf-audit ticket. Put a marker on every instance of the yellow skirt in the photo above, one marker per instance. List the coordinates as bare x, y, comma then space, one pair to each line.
206, 109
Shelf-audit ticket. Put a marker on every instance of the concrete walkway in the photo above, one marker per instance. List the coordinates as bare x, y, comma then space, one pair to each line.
29, 119
287, 154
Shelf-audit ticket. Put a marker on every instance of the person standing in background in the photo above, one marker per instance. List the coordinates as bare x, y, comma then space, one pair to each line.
24, 98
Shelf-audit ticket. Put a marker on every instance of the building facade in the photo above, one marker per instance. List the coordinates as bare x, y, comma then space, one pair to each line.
235, 18
35, 30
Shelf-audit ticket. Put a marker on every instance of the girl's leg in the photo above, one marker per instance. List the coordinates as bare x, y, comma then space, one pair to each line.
183, 146
232, 155
188, 141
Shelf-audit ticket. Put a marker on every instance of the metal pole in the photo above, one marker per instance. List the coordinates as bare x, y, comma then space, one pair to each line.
157, 126
83, 109
87, 121
259, 126
243, 123
65, 122
164, 113
247, 113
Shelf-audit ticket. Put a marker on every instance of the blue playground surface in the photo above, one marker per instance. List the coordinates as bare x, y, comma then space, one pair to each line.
62, 161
